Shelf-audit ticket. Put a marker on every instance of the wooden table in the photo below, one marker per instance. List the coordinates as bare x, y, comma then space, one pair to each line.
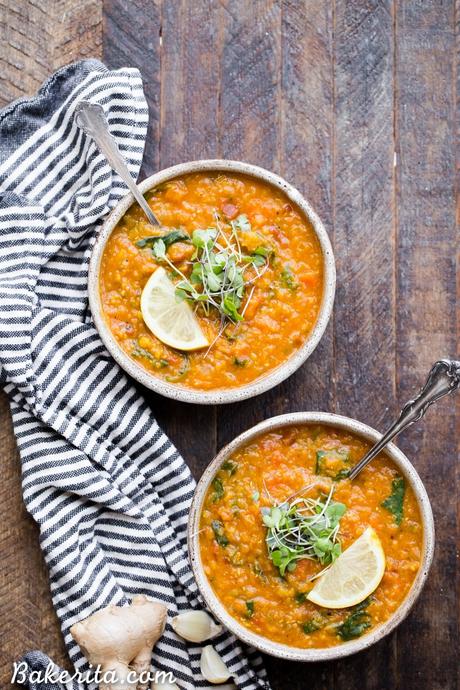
353, 101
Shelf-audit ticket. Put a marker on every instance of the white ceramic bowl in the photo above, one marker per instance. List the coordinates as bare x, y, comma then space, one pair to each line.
261, 384
275, 648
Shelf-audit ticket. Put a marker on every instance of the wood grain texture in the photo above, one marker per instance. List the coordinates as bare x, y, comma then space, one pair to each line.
27, 617
190, 81
354, 103
426, 257
132, 29
37, 38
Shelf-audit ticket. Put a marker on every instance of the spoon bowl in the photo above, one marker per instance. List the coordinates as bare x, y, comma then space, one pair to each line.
263, 643
274, 376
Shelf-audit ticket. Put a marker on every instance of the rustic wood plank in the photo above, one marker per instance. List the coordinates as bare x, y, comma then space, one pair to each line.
250, 82
131, 38
363, 198
28, 620
426, 305
40, 37
191, 74
364, 210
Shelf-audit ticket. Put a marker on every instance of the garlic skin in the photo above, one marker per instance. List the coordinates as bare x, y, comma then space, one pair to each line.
212, 667
195, 626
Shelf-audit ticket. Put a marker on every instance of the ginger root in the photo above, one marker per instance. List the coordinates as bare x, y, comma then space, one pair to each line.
120, 640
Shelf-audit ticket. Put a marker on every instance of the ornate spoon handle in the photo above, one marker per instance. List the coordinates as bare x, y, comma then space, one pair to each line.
443, 378
91, 119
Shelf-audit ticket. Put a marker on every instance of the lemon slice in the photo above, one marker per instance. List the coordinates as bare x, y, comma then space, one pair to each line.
353, 576
172, 321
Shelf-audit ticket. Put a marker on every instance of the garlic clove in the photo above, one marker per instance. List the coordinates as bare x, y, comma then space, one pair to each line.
195, 626
212, 667
165, 686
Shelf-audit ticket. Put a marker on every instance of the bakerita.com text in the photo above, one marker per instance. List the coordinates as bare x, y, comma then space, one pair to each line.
22, 673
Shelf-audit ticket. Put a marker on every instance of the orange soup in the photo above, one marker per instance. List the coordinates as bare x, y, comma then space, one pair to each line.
273, 470
273, 312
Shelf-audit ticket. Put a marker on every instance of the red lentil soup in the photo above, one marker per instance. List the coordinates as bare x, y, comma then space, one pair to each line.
280, 308
234, 551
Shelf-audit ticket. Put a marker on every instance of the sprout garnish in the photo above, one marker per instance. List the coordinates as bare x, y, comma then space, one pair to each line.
219, 268
303, 528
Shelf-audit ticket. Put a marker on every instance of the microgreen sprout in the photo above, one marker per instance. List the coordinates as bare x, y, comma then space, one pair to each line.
303, 528
219, 269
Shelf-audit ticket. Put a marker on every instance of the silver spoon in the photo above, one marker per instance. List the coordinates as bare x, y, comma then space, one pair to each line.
91, 119
444, 378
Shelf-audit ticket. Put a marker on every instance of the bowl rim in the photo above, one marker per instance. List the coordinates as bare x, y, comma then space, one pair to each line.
221, 395
262, 643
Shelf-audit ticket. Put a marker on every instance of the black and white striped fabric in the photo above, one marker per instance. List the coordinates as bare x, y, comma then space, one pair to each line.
108, 490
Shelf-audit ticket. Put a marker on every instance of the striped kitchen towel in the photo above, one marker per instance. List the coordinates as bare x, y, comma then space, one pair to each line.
108, 490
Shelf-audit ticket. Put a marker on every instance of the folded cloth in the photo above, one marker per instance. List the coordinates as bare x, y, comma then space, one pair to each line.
107, 488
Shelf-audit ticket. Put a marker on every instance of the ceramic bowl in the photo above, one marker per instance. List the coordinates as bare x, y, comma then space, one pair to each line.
273, 377
275, 648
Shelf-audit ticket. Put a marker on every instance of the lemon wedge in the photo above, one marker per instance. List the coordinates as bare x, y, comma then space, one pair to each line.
171, 320
353, 576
